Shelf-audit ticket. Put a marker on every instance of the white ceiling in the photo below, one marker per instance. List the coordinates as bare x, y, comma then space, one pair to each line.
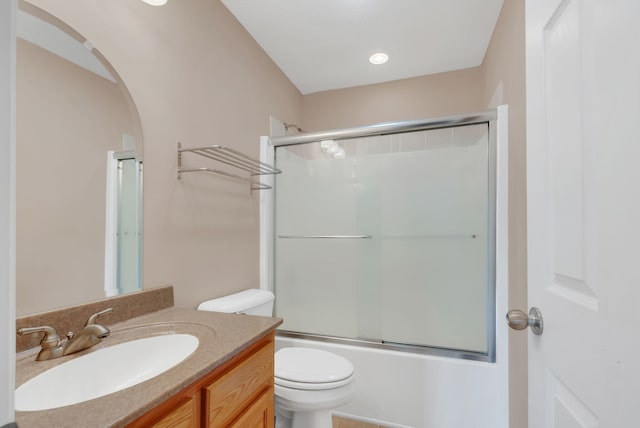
325, 44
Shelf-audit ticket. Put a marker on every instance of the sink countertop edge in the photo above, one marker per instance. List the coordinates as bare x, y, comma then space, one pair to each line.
221, 337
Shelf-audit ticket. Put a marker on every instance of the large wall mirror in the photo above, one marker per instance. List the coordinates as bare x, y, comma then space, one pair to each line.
79, 171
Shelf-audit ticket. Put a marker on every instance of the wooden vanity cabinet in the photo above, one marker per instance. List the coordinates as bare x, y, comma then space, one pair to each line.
238, 393
185, 415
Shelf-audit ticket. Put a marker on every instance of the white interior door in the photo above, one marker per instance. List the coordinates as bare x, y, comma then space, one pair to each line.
583, 160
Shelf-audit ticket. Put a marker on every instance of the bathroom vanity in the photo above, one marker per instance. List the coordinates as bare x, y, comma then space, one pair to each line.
226, 381
239, 393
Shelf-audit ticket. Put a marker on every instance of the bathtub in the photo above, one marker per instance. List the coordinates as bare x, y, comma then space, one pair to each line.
398, 389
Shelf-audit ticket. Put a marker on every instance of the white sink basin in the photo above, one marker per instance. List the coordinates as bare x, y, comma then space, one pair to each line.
104, 371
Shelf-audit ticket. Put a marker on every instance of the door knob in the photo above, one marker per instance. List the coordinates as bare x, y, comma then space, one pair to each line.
518, 320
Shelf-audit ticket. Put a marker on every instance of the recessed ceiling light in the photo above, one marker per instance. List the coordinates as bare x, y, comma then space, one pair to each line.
155, 2
378, 58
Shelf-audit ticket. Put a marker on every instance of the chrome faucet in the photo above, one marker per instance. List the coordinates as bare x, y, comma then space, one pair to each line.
53, 347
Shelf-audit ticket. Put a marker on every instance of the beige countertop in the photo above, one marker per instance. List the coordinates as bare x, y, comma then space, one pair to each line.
221, 337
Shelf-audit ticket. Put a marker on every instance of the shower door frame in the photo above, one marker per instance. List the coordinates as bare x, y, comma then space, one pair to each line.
489, 117
112, 284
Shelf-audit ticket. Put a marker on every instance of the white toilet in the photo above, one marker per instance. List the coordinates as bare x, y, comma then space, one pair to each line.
309, 383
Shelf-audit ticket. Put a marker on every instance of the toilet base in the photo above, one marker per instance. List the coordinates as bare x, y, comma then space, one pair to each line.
309, 409
309, 404
314, 419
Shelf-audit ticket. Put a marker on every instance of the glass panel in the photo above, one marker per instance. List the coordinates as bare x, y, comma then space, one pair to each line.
387, 242
128, 236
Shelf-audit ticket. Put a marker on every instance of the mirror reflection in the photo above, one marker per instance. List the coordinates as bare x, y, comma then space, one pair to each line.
79, 171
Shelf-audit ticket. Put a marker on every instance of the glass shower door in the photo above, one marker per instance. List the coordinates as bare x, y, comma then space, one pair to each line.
129, 273
123, 246
386, 239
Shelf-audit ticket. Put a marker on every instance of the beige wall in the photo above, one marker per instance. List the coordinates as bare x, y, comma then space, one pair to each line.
196, 76
500, 80
416, 98
67, 120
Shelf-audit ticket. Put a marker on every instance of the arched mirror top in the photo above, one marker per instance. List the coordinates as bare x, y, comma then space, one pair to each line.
49, 32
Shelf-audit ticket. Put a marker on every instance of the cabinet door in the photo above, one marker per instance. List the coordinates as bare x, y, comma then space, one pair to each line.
259, 414
183, 416
235, 390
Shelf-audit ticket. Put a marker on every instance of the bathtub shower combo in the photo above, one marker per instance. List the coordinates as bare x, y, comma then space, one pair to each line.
386, 244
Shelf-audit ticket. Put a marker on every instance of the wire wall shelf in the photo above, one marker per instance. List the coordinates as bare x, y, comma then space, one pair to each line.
229, 157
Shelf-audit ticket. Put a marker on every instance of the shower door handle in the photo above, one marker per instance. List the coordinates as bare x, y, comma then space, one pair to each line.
518, 320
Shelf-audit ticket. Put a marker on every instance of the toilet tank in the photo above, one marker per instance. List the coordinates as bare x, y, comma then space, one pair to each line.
250, 302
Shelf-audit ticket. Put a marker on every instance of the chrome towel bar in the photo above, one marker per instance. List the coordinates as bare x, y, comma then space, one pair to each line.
255, 185
230, 157
325, 236
382, 236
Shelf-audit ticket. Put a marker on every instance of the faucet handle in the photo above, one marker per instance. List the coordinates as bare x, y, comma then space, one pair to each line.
92, 318
50, 339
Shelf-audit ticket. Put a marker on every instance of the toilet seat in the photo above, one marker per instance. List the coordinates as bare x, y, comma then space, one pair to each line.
307, 386
311, 369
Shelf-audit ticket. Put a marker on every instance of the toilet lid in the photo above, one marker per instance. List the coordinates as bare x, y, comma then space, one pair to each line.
306, 365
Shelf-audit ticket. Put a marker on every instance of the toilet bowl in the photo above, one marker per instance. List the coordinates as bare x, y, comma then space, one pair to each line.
309, 383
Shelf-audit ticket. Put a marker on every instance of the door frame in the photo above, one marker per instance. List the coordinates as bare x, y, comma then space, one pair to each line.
7, 208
